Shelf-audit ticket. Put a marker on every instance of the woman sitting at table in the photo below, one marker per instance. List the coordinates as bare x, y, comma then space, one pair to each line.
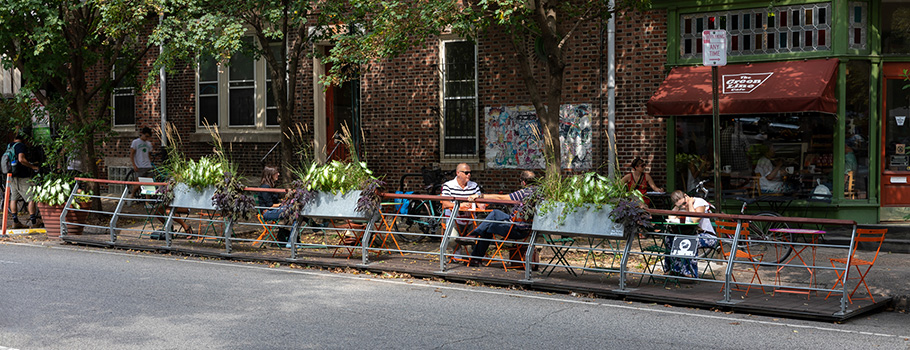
270, 199
705, 232
639, 180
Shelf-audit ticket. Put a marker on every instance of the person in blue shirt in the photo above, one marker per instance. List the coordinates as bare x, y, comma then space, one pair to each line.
498, 223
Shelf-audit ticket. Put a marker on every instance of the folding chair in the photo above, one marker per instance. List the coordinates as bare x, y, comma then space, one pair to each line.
875, 236
268, 233
728, 229
560, 247
150, 208
345, 240
516, 251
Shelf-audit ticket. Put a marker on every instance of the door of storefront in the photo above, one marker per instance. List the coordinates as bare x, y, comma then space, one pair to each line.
896, 136
342, 109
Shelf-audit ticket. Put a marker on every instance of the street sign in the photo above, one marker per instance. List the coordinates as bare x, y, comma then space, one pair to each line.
714, 47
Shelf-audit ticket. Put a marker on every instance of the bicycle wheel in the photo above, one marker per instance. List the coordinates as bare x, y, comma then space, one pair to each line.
130, 176
418, 223
775, 250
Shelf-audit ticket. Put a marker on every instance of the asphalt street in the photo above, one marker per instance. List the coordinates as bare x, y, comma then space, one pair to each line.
66, 297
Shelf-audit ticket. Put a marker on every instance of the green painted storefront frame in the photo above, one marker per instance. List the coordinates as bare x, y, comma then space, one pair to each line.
862, 210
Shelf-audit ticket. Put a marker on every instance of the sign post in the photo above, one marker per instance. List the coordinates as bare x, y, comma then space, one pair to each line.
714, 54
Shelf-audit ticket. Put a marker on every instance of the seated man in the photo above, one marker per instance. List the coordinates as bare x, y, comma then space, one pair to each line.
770, 174
489, 228
460, 186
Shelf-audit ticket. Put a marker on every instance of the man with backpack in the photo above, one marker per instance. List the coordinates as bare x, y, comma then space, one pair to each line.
21, 182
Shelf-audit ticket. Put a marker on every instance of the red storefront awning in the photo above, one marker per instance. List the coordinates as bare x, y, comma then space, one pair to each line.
773, 87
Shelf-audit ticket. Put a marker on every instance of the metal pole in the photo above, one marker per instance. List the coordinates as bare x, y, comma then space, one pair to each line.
116, 217
365, 240
716, 108
728, 273
450, 225
6, 203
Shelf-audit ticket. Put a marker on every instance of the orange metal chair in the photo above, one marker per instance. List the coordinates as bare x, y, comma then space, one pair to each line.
346, 240
875, 236
268, 233
516, 253
728, 229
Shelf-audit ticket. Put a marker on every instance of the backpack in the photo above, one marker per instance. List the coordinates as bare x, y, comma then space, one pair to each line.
6, 160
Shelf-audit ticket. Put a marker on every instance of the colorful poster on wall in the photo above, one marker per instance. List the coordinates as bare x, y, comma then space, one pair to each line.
512, 137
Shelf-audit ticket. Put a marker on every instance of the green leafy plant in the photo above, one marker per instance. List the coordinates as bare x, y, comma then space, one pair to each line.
55, 188
588, 190
335, 177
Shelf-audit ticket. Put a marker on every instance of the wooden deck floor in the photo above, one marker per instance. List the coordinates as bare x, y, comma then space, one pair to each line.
703, 294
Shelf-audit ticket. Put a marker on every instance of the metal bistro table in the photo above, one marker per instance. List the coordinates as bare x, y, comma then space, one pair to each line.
812, 237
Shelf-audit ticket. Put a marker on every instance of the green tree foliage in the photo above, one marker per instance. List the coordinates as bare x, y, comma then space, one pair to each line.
57, 44
540, 30
216, 28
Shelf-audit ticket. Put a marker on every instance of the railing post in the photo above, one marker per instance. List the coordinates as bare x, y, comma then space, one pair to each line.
293, 239
529, 255
450, 225
228, 227
365, 240
728, 273
843, 297
623, 262
112, 224
66, 206
167, 227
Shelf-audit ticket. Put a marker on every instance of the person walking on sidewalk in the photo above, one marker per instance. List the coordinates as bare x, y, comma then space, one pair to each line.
140, 149
21, 182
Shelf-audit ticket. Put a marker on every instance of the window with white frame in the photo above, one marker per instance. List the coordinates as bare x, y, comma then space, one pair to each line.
458, 61
123, 97
237, 94
780, 29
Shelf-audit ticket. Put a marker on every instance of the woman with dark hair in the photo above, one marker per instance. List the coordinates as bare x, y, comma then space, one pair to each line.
639, 180
269, 179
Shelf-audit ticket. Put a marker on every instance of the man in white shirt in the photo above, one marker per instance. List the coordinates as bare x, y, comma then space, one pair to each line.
460, 186
140, 150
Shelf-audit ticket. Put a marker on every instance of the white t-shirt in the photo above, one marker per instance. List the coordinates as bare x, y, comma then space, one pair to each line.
143, 149
763, 168
704, 223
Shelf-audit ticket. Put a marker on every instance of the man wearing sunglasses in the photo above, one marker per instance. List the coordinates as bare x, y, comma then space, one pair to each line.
460, 186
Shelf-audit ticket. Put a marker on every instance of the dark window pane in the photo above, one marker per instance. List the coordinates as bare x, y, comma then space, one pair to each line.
821, 37
808, 17
734, 22
735, 43
723, 22
783, 19
771, 42
688, 26
822, 16
795, 39
687, 47
795, 17
208, 69
747, 42
460, 118
208, 110
699, 25
747, 22
125, 110
241, 107
808, 41
759, 20
208, 89
858, 14
271, 117
783, 40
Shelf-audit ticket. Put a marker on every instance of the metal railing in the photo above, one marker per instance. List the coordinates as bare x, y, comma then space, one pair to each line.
393, 232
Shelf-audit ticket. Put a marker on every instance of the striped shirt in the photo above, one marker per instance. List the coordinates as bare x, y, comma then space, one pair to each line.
452, 188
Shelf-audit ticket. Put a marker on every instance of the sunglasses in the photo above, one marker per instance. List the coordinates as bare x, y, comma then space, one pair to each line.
466, 172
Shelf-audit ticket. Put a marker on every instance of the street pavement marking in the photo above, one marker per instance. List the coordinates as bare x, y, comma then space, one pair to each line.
470, 290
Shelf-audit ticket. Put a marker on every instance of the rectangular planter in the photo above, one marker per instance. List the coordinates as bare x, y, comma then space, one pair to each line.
335, 206
186, 197
585, 220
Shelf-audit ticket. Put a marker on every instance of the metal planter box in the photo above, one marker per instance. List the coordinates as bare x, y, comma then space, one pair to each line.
585, 220
186, 197
336, 206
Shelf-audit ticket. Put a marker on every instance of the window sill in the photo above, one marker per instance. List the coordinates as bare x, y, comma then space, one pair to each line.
229, 136
474, 163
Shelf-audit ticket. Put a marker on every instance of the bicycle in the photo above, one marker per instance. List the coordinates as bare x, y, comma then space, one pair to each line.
761, 230
424, 216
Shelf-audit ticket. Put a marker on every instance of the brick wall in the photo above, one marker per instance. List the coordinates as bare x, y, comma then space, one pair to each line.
400, 103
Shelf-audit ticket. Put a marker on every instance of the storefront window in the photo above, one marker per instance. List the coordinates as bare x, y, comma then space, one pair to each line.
789, 153
895, 27
856, 156
694, 151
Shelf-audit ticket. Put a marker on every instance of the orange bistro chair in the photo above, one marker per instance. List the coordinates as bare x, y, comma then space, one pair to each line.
516, 251
874, 236
728, 228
